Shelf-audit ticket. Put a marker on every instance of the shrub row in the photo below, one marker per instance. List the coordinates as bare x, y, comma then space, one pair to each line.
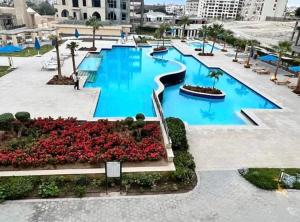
7, 119
177, 133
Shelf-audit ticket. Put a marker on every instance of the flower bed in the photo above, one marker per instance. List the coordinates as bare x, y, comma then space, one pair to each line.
205, 92
160, 49
205, 54
68, 141
64, 81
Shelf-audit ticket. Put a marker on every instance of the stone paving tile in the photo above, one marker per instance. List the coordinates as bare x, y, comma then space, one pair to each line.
220, 196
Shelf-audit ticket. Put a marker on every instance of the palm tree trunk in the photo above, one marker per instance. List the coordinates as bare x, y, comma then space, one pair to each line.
277, 68
73, 61
203, 46
224, 46
297, 90
214, 83
142, 13
213, 46
94, 32
163, 41
58, 59
236, 54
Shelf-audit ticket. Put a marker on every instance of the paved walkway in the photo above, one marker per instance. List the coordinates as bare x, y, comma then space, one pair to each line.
220, 196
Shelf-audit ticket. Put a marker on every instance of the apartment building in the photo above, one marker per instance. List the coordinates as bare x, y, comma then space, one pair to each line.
191, 7
105, 10
222, 9
174, 9
256, 10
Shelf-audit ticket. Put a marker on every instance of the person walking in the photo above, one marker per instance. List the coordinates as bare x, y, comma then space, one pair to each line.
76, 80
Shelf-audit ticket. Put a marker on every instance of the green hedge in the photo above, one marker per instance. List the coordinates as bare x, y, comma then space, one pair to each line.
177, 133
264, 178
6, 120
22, 116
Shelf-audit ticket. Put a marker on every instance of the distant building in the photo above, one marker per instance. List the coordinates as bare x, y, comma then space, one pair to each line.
177, 10
223, 9
191, 7
157, 17
255, 10
136, 12
111, 10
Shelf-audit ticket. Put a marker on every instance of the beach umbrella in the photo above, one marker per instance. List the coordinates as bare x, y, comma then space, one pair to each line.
37, 45
77, 33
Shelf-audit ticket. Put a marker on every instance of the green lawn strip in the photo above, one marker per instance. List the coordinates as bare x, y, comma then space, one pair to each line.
268, 178
30, 51
4, 70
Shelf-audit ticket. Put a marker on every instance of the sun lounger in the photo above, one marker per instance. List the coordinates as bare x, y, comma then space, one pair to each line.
293, 83
49, 66
282, 80
263, 72
258, 69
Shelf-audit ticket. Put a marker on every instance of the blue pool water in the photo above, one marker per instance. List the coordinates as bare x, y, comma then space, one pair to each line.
126, 78
198, 44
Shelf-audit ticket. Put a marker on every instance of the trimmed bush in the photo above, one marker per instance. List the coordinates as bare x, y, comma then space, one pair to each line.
177, 133
129, 121
12, 188
185, 167
79, 191
48, 189
22, 116
140, 116
263, 178
6, 120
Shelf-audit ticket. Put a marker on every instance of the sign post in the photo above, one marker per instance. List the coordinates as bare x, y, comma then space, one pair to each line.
113, 169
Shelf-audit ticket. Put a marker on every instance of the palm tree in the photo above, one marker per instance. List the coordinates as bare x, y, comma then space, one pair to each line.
162, 30
297, 90
215, 74
95, 23
184, 21
214, 31
204, 31
250, 43
239, 44
225, 36
72, 46
55, 43
282, 48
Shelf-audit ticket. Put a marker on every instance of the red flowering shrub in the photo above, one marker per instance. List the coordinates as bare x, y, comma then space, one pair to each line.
65, 141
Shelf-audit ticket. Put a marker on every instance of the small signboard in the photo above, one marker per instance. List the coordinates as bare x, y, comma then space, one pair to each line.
113, 169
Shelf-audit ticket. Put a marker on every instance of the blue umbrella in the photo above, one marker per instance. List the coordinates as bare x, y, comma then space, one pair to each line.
37, 45
77, 33
122, 35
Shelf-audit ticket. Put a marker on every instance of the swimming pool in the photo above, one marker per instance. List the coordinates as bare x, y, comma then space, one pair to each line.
126, 78
198, 44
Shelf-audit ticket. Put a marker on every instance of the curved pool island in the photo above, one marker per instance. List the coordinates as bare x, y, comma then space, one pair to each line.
198, 92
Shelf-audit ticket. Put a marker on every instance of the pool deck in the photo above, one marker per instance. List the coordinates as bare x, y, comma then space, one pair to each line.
275, 143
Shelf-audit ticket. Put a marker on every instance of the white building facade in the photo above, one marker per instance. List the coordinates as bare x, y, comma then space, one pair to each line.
191, 7
258, 10
174, 9
112, 10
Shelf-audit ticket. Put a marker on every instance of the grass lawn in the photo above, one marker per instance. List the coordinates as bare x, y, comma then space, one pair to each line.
268, 178
4, 70
29, 51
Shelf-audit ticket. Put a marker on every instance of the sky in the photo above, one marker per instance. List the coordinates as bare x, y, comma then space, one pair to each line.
290, 2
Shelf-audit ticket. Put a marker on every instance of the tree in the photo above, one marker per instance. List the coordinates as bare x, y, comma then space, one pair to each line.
225, 36
204, 31
239, 45
282, 48
214, 31
184, 21
72, 46
95, 23
43, 8
297, 12
250, 43
161, 31
55, 42
297, 90
215, 75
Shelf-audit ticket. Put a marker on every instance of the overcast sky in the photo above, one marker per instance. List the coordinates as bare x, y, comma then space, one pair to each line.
290, 2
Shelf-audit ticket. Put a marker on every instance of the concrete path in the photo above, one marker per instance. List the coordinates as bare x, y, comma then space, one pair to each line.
220, 196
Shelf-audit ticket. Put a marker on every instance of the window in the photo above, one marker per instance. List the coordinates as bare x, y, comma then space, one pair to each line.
64, 2
97, 15
84, 2
75, 3
112, 16
112, 3
74, 15
64, 13
96, 3
124, 6
84, 15
124, 16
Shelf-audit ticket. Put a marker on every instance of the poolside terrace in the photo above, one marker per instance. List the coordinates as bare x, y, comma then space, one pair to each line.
272, 144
